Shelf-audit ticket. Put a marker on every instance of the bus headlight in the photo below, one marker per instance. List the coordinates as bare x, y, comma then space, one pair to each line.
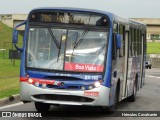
44, 85
36, 84
97, 84
30, 81
83, 88
90, 87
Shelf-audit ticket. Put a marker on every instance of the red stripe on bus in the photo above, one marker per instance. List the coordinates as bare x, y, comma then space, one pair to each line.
23, 79
41, 81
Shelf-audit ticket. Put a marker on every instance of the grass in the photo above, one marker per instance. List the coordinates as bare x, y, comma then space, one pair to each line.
6, 36
9, 86
9, 77
7, 69
153, 48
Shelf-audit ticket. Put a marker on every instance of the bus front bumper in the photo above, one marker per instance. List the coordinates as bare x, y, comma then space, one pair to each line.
95, 97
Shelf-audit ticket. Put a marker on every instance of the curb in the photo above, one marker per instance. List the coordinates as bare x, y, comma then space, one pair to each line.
9, 100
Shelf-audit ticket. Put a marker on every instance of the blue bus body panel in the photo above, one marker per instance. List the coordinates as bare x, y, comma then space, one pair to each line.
108, 71
37, 74
23, 55
73, 80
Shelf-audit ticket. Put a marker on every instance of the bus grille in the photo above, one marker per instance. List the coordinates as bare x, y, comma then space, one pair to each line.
64, 87
63, 98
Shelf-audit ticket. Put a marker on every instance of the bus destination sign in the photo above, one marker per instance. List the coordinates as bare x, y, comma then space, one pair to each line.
69, 18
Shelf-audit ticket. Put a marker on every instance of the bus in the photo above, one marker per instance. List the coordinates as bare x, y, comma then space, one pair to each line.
83, 57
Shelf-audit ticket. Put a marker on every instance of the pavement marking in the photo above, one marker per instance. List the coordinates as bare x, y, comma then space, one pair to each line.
12, 105
152, 76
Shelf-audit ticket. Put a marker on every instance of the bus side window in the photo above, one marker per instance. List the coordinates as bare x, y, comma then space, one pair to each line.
114, 49
135, 42
130, 42
133, 53
140, 40
114, 53
122, 33
115, 28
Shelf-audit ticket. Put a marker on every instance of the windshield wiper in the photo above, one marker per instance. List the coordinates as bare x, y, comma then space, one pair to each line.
80, 40
56, 42
59, 50
82, 37
54, 38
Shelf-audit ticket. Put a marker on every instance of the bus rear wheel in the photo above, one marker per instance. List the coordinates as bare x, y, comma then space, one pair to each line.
42, 106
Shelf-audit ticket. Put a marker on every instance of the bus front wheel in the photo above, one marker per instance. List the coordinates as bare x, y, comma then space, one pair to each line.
42, 106
112, 108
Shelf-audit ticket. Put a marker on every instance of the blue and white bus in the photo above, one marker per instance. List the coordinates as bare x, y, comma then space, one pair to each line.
83, 57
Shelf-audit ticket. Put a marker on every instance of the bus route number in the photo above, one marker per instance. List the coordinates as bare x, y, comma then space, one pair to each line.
46, 18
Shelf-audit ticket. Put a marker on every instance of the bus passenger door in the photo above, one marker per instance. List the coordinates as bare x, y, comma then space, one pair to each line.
122, 61
142, 53
125, 45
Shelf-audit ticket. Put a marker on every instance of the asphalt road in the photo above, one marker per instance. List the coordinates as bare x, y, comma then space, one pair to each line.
148, 99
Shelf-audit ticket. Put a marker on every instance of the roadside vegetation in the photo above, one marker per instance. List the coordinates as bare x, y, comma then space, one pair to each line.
5, 34
153, 48
9, 73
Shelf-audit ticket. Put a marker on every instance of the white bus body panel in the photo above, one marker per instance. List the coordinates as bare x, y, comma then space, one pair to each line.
28, 90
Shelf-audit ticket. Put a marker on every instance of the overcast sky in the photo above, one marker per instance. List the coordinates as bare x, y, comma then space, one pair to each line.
127, 8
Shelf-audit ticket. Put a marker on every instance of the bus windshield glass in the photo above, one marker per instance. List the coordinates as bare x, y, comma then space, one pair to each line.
79, 50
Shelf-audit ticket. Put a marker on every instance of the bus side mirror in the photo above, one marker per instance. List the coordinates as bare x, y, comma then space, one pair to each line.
15, 36
118, 41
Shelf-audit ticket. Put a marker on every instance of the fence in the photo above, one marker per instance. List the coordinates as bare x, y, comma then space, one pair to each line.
155, 62
7, 51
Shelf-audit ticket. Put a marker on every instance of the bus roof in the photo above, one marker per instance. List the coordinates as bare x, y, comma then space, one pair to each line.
112, 16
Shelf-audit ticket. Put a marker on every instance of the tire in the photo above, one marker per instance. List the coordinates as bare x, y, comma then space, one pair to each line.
41, 107
112, 108
149, 67
132, 98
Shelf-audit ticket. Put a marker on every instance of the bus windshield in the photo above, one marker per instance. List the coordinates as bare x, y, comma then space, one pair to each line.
79, 50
